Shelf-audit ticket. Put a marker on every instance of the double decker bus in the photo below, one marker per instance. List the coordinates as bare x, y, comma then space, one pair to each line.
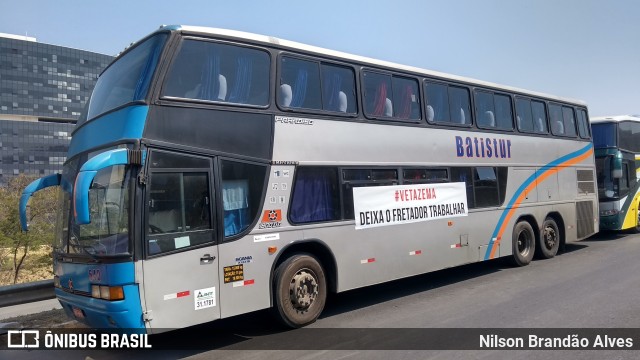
217, 173
616, 140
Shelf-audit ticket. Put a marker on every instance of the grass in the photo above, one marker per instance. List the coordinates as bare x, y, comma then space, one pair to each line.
38, 265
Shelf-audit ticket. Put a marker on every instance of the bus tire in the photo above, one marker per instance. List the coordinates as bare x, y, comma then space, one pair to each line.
549, 243
523, 243
300, 290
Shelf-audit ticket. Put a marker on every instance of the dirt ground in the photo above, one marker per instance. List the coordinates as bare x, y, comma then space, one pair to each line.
47, 319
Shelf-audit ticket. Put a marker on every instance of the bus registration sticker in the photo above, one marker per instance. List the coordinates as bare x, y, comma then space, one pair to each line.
204, 298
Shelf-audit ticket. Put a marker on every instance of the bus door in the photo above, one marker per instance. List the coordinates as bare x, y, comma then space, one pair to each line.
180, 270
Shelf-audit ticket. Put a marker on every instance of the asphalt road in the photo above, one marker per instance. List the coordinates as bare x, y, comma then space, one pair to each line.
593, 284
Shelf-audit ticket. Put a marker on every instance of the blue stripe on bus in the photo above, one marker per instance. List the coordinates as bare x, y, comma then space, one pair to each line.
126, 123
525, 184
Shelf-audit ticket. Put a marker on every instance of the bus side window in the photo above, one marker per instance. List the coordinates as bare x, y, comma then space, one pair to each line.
219, 72
504, 114
437, 99
485, 114
405, 98
485, 187
363, 177
315, 195
569, 120
377, 95
242, 186
557, 123
460, 105
539, 117
463, 174
338, 89
523, 115
583, 124
299, 84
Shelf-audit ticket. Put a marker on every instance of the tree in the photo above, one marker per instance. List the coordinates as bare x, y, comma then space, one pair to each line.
41, 217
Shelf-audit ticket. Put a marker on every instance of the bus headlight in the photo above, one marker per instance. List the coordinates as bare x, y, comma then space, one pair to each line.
609, 212
110, 293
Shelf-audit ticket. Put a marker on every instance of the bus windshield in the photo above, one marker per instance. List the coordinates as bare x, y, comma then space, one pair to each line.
607, 185
604, 135
127, 79
109, 201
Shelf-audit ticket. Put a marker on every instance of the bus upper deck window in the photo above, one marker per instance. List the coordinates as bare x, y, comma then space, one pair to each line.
219, 72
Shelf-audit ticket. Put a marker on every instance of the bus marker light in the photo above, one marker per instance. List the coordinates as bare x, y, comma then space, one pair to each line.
449, 223
455, 246
366, 261
272, 249
417, 252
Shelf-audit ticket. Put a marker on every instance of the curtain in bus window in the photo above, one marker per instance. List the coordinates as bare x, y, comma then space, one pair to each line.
236, 204
407, 101
380, 99
313, 198
300, 88
242, 83
332, 84
209, 84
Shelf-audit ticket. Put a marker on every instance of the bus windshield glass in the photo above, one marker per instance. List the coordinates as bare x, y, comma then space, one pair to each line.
608, 187
604, 135
128, 78
109, 201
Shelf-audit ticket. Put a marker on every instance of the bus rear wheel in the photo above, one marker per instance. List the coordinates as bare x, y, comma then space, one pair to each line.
549, 242
523, 242
300, 290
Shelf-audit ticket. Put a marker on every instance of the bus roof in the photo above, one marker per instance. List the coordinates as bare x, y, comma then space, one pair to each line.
269, 40
602, 119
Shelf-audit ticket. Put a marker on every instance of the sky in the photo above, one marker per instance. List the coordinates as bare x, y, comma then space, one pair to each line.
579, 49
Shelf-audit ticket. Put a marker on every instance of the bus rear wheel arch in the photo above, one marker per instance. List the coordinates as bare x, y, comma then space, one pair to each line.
523, 242
300, 290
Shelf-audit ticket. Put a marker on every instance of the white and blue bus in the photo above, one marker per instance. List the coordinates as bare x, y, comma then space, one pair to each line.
616, 140
217, 173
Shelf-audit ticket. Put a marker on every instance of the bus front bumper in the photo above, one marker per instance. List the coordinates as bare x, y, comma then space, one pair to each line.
102, 314
612, 222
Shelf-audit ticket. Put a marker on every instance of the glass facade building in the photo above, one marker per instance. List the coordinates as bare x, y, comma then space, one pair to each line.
43, 91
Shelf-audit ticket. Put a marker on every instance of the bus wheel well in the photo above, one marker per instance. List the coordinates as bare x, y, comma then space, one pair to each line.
558, 219
320, 251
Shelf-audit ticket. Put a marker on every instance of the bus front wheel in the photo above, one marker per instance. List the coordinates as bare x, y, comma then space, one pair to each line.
549, 239
300, 290
523, 241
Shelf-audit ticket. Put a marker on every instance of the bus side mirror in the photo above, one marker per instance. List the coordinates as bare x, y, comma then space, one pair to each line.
45, 182
86, 174
616, 169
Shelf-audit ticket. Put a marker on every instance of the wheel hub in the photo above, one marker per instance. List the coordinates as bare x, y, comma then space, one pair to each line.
303, 290
523, 243
550, 237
